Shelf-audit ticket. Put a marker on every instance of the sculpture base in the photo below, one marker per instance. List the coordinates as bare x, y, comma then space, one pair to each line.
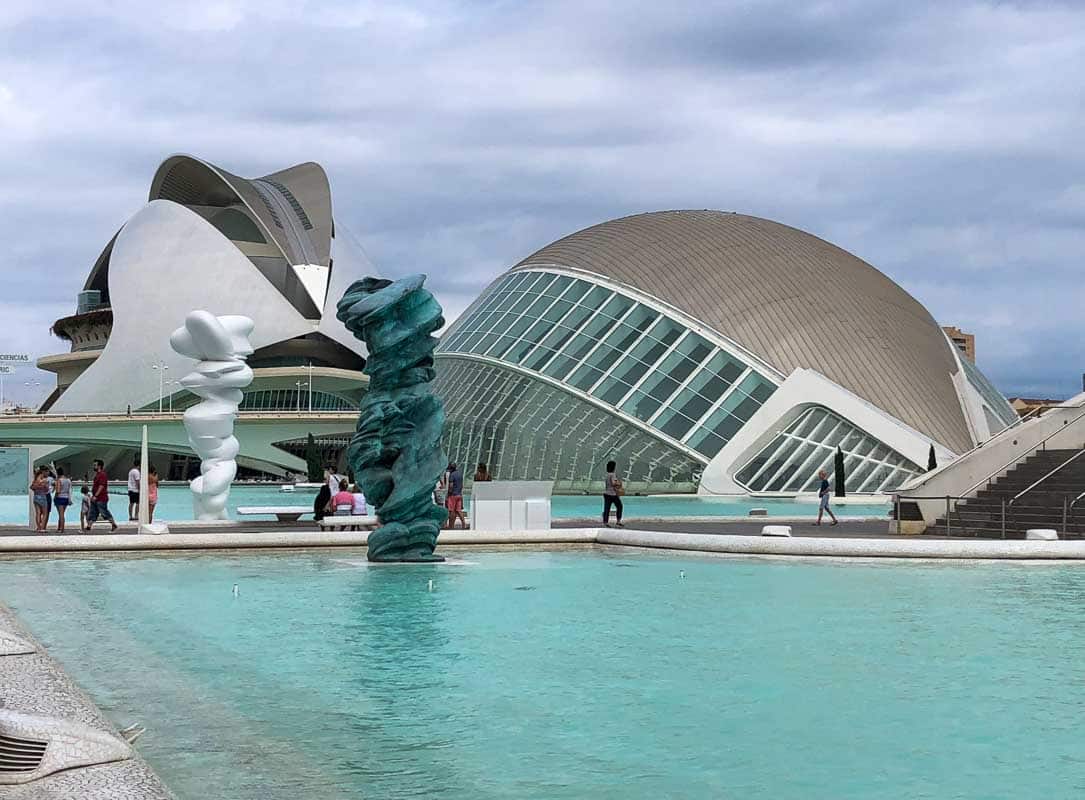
406, 558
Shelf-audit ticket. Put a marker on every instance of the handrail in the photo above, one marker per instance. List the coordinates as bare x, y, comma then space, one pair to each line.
1025, 491
1034, 412
967, 492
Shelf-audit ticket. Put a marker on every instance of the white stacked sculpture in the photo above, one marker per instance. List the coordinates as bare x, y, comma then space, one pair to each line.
220, 346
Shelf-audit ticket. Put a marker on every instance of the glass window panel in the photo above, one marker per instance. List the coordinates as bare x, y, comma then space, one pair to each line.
559, 285
672, 423
595, 298
659, 386
648, 350
879, 476
622, 337
585, 376
691, 404
630, 370
542, 280
604, 357
812, 419
538, 358
486, 342
707, 443
641, 405
746, 409
616, 306
517, 280
557, 311
794, 464
612, 390
880, 452
745, 474
559, 368
522, 302
695, 347
666, 330
576, 291
517, 351
677, 366
536, 309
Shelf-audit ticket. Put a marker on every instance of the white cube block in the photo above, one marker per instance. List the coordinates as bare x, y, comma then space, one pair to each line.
1041, 534
776, 530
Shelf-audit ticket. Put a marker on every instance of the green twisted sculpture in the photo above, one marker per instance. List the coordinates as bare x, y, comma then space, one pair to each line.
396, 448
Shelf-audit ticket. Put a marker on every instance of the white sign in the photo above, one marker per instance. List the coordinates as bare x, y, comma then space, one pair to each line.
6, 370
14, 358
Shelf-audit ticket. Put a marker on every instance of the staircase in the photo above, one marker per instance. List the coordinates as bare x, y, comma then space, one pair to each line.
1042, 507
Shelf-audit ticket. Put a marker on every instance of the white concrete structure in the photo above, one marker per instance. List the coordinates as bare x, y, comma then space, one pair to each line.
511, 506
1041, 535
208, 239
220, 346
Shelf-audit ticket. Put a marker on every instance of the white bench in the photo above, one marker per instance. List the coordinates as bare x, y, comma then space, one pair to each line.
281, 513
349, 522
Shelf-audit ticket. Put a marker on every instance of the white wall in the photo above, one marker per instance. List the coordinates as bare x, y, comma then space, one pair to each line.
803, 388
166, 262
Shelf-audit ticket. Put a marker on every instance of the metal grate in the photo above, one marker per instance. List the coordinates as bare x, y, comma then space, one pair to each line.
20, 755
294, 204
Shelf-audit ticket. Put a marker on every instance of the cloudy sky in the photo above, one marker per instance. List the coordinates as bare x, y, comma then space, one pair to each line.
941, 142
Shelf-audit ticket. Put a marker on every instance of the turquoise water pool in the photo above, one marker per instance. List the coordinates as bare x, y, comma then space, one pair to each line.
586, 674
175, 503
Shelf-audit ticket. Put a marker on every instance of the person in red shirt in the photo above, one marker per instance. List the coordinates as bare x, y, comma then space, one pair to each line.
342, 500
99, 496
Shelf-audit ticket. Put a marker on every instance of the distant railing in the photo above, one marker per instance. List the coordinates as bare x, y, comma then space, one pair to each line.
169, 415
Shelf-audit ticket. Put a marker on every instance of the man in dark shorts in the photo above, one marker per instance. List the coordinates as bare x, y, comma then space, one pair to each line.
455, 497
99, 496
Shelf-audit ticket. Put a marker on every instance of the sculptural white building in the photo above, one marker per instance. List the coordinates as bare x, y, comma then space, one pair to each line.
220, 346
210, 239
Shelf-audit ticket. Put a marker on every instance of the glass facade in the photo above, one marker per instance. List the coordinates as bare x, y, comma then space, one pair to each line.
527, 429
790, 462
617, 350
994, 403
288, 400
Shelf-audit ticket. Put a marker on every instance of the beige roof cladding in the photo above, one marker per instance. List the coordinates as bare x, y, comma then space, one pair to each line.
792, 298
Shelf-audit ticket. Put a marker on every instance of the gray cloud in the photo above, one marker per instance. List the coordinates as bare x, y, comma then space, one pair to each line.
940, 142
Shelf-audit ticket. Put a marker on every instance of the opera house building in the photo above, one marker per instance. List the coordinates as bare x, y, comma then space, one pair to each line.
207, 239
705, 351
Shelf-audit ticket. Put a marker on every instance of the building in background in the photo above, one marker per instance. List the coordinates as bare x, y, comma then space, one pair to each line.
705, 351
265, 247
1027, 405
965, 342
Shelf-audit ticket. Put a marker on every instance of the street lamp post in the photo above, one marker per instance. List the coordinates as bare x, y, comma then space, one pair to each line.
172, 383
299, 384
34, 384
161, 368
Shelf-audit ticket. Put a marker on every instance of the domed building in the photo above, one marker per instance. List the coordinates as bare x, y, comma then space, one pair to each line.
706, 351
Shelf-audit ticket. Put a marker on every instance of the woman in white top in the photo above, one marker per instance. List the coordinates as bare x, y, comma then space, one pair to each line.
63, 497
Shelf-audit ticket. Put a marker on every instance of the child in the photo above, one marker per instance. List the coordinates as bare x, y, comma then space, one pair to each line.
84, 510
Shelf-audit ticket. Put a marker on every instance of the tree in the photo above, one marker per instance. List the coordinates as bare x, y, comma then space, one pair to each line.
838, 473
932, 462
312, 460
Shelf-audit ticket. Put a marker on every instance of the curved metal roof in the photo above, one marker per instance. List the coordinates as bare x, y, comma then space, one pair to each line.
792, 298
292, 206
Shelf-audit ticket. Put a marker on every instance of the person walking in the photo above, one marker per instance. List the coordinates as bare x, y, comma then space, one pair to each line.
84, 509
482, 474
39, 487
63, 497
613, 489
152, 491
455, 497
99, 497
133, 491
823, 494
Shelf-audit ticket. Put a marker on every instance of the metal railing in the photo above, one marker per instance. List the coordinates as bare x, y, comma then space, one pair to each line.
1036, 483
1042, 444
